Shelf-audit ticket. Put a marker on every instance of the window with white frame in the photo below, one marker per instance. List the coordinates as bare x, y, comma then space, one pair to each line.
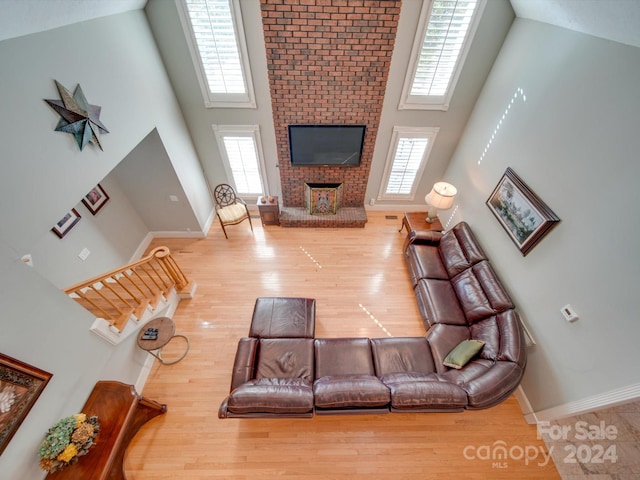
215, 35
438, 53
241, 149
408, 155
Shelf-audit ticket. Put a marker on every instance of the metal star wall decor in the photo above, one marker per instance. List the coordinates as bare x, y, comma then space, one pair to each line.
79, 117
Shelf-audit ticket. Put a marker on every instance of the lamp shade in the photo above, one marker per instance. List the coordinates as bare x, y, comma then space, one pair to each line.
441, 196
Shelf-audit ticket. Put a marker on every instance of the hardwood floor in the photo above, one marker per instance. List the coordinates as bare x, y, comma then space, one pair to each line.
361, 284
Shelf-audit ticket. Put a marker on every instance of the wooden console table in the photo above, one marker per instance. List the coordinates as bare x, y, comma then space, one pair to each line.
416, 221
121, 412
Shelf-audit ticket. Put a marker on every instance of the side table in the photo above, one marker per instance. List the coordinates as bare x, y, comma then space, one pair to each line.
417, 221
269, 211
166, 332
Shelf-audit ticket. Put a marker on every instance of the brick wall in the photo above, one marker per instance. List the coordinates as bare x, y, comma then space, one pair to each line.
328, 64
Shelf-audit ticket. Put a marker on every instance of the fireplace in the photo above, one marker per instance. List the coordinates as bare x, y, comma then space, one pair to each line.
322, 198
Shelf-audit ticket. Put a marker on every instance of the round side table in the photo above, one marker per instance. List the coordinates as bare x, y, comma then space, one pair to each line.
166, 332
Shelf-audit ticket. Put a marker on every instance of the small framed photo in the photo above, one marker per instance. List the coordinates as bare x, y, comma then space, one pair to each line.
20, 387
66, 223
523, 215
95, 199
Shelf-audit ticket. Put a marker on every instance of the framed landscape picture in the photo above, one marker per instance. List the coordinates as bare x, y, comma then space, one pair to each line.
20, 387
66, 223
523, 215
95, 199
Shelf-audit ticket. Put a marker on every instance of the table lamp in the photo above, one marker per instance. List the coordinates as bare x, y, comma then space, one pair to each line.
439, 198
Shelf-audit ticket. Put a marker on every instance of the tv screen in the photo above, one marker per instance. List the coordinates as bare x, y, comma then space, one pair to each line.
316, 145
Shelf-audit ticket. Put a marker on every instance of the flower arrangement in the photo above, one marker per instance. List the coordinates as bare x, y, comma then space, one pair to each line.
67, 440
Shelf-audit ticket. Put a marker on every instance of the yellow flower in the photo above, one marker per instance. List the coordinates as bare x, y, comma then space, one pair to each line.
68, 453
81, 418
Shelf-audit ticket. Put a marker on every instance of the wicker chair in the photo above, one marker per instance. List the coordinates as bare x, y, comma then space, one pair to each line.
230, 209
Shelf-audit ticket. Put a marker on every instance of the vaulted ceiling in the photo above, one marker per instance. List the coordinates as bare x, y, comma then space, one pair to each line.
617, 20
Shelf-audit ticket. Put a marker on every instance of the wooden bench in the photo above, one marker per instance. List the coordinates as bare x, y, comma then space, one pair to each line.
121, 412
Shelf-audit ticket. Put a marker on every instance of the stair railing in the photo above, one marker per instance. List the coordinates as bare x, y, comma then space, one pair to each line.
129, 291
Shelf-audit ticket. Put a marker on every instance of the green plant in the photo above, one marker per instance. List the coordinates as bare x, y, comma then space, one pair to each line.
70, 438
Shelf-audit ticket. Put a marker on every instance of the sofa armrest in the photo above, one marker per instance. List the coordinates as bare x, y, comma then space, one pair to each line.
494, 386
244, 363
424, 237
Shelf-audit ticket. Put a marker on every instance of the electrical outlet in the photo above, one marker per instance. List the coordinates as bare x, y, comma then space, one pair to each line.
372, 202
84, 254
569, 313
173, 198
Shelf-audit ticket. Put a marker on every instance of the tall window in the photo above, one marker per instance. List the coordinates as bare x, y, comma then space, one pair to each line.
438, 53
216, 40
408, 155
241, 149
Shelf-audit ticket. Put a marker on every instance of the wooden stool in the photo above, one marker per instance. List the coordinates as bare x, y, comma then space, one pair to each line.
166, 332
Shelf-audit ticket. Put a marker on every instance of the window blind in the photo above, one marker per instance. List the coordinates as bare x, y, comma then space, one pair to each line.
406, 164
447, 30
215, 36
243, 160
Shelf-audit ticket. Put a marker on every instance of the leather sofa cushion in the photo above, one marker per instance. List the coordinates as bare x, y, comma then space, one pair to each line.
285, 358
512, 343
343, 356
459, 249
350, 391
423, 391
438, 303
480, 293
272, 395
443, 338
402, 354
425, 262
279, 317
471, 371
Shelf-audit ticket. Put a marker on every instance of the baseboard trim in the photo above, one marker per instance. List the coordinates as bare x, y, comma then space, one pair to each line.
524, 403
177, 234
586, 405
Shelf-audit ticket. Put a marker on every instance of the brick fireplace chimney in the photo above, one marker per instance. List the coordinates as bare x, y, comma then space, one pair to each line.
328, 64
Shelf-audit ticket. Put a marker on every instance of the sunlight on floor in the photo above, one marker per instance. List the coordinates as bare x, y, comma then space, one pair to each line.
375, 320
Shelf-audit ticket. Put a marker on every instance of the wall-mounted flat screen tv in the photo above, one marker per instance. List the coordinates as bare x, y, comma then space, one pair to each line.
318, 145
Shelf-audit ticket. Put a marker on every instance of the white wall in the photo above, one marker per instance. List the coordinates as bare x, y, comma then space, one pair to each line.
492, 29
112, 236
43, 175
170, 37
574, 141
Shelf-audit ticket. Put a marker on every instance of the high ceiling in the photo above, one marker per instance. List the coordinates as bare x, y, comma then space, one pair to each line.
23, 17
617, 20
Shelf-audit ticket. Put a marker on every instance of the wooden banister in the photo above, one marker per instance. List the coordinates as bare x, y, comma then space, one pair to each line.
111, 295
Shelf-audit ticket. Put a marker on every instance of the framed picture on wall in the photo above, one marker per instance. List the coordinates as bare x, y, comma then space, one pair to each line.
20, 387
95, 199
523, 215
66, 223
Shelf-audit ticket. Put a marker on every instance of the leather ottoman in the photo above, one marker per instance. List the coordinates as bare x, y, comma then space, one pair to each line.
283, 317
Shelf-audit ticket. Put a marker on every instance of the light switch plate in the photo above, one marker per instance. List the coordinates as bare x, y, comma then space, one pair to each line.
84, 254
569, 313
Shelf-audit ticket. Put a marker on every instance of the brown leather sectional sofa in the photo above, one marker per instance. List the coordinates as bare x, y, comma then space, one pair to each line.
281, 370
